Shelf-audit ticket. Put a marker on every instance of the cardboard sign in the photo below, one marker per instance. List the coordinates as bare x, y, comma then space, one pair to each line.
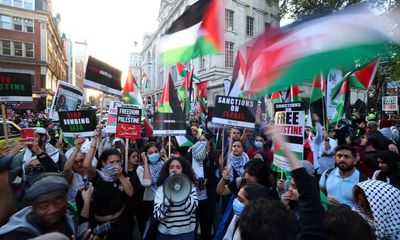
15, 87
390, 104
235, 112
78, 123
27, 136
111, 125
169, 124
290, 118
67, 98
103, 77
128, 121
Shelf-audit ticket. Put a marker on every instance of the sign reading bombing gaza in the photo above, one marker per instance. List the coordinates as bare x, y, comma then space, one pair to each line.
15, 87
103, 77
78, 123
290, 118
235, 112
128, 121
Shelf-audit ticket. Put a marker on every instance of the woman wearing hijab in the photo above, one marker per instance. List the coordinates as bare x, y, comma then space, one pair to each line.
237, 160
389, 171
379, 204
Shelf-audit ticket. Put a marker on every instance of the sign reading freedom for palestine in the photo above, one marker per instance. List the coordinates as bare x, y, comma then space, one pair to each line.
103, 77
78, 123
128, 121
237, 112
289, 117
15, 87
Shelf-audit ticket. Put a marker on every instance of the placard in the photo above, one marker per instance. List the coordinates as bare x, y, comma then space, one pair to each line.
78, 123
128, 121
111, 125
237, 112
169, 124
290, 118
103, 77
334, 76
67, 98
390, 104
15, 87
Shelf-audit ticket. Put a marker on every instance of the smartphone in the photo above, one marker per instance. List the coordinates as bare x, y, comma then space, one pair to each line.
27, 136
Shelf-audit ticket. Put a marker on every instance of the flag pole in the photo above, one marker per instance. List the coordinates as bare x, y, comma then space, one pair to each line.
126, 154
100, 117
3, 112
230, 148
169, 146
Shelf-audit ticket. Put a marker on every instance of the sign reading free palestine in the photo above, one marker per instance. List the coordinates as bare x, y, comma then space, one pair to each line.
290, 119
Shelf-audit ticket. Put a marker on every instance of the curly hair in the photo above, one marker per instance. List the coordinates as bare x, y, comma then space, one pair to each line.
186, 169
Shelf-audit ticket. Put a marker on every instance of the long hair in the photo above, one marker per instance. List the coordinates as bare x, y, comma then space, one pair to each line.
259, 169
186, 169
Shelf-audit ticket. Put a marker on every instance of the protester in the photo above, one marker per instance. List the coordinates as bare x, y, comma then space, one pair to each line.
167, 212
389, 170
378, 203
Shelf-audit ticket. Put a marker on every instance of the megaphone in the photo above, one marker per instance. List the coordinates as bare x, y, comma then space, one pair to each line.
177, 188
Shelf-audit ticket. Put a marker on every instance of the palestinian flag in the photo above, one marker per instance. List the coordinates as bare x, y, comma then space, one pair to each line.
278, 58
295, 93
341, 102
201, 98
188, 92
194, 34
360, 78
169, 102
317, 100
239, 71
182, 70
183, 141
130, 92
145, 81
276, 97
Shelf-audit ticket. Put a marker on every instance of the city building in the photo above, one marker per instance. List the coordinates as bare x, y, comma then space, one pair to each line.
135, 63
30, 43
243, 21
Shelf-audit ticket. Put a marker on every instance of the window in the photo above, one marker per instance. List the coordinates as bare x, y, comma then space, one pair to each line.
202, 62
6, 2
28, 4
249, 26
28, 50
18, 3
28, 25
174, 74
5, 22
17, 23
5, 47
18, 49
228, 20
229, 54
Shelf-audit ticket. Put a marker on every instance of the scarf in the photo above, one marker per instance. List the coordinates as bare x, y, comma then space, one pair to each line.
155, 170
236, 163
384, 200
199, 151
107, 172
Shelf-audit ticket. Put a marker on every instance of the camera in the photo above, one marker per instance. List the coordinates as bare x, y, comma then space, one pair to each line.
102, 229
200, 183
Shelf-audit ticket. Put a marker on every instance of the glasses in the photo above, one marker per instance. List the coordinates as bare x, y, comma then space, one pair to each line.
292, 185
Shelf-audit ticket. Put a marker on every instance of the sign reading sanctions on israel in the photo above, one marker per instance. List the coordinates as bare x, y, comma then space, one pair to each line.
128, 121
235, 112
78, 123
289, 117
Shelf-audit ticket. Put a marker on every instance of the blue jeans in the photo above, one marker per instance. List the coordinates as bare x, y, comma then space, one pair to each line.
183, 236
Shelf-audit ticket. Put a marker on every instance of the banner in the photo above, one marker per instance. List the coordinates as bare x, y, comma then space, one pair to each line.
78, 123
334, 76
103, 77
169, 124
289, 117
390, 104
128, 121
67, 98
235, 112
15, 87
111, 125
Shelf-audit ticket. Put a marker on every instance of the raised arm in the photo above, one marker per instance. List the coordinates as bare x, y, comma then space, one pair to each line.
92, 151
68, 167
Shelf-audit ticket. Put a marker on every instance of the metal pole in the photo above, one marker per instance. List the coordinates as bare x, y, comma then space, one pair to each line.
3, 112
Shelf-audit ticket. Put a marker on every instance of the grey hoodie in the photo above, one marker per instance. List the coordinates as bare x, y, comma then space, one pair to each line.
19, 222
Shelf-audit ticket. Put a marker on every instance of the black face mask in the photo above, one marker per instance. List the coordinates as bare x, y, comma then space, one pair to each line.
33, 172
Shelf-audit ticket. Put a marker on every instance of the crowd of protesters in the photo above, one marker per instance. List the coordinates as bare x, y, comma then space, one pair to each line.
346, 187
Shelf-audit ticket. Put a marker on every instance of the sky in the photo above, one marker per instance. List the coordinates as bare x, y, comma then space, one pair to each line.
109, 27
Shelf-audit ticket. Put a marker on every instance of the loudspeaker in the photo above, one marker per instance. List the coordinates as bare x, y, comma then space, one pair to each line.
177, 188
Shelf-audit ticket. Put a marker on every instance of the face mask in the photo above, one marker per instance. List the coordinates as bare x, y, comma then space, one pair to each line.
33, 172
109, 169
237, 207
258, 144
153, 158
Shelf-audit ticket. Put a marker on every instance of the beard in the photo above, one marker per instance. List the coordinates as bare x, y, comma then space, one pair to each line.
346, 167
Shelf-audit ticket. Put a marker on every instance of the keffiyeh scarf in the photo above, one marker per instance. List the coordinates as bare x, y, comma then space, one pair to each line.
236, 163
